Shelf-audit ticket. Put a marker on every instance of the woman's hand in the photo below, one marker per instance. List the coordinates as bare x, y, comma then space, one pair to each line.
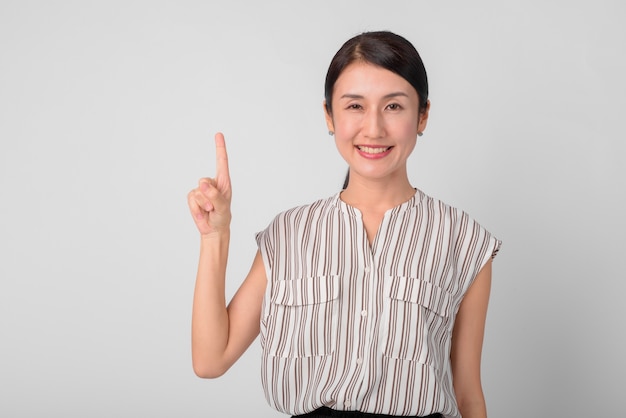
220, 334
209, 203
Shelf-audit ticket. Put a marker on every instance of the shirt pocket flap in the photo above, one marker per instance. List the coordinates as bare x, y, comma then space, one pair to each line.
421, 292
305, 291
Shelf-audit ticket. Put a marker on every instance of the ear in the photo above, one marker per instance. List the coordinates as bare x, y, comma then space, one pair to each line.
329, 118
423, 118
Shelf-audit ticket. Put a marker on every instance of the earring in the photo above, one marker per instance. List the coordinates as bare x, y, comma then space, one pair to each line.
331, 133
420, 133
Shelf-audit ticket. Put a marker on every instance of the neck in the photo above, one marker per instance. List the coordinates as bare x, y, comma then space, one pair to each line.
377, 195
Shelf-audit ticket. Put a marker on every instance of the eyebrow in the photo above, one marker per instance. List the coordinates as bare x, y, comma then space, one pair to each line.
386, 96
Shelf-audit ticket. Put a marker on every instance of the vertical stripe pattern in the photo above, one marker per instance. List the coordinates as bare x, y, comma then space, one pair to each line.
355, 326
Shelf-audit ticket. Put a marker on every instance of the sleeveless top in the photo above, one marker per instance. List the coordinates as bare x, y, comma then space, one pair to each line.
355, 326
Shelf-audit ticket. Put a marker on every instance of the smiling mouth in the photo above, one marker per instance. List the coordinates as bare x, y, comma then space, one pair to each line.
371, 150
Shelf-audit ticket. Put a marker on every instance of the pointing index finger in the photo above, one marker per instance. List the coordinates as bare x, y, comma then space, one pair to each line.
221, 157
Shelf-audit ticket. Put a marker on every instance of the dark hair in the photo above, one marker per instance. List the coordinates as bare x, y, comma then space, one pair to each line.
384, 49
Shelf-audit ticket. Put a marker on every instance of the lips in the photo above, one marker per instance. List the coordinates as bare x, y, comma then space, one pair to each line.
373, 152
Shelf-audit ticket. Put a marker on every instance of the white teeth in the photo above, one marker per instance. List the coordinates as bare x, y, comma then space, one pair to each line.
371, 150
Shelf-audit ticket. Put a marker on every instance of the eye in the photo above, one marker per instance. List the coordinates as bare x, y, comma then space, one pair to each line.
394, 106
354, 106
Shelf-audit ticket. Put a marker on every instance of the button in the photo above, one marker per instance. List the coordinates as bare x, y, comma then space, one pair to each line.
347, 403
359, 361
364, 313
367, 269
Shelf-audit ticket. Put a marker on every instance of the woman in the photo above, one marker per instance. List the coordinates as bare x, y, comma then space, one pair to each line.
371, 302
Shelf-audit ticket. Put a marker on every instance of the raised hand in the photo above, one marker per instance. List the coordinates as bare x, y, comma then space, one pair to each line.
209, 203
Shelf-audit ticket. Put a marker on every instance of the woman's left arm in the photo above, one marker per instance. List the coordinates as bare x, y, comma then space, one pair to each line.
467, 345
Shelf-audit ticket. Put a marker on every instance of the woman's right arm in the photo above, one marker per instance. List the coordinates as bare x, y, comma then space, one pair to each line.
220, 333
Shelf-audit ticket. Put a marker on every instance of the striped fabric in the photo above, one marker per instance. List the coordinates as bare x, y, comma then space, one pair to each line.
355, 326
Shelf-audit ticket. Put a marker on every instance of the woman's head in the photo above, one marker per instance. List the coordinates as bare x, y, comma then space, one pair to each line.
384, 49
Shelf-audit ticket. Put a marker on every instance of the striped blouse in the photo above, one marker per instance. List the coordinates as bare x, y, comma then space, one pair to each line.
355, 326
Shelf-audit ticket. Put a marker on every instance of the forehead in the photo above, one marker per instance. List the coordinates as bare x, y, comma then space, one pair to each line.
365, 79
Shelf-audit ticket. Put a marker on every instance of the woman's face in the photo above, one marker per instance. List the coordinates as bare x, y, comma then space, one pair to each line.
375, 117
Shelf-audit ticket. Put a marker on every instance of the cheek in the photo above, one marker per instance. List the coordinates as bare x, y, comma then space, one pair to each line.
407, 129
343, 142
346, 124
344, 148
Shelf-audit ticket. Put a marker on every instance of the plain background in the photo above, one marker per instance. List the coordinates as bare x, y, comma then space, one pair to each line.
107, 116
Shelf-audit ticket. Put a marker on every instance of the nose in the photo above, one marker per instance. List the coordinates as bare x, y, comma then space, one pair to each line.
373, 124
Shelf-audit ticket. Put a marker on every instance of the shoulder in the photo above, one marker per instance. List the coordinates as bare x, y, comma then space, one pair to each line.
298, 216
467, 231
293, 215
445, 211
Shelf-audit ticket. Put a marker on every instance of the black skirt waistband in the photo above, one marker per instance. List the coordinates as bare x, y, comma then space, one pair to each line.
327, 412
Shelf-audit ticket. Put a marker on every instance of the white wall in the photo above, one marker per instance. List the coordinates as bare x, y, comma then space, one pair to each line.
107, 113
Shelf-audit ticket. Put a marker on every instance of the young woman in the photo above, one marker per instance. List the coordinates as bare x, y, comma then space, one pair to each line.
371, 302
